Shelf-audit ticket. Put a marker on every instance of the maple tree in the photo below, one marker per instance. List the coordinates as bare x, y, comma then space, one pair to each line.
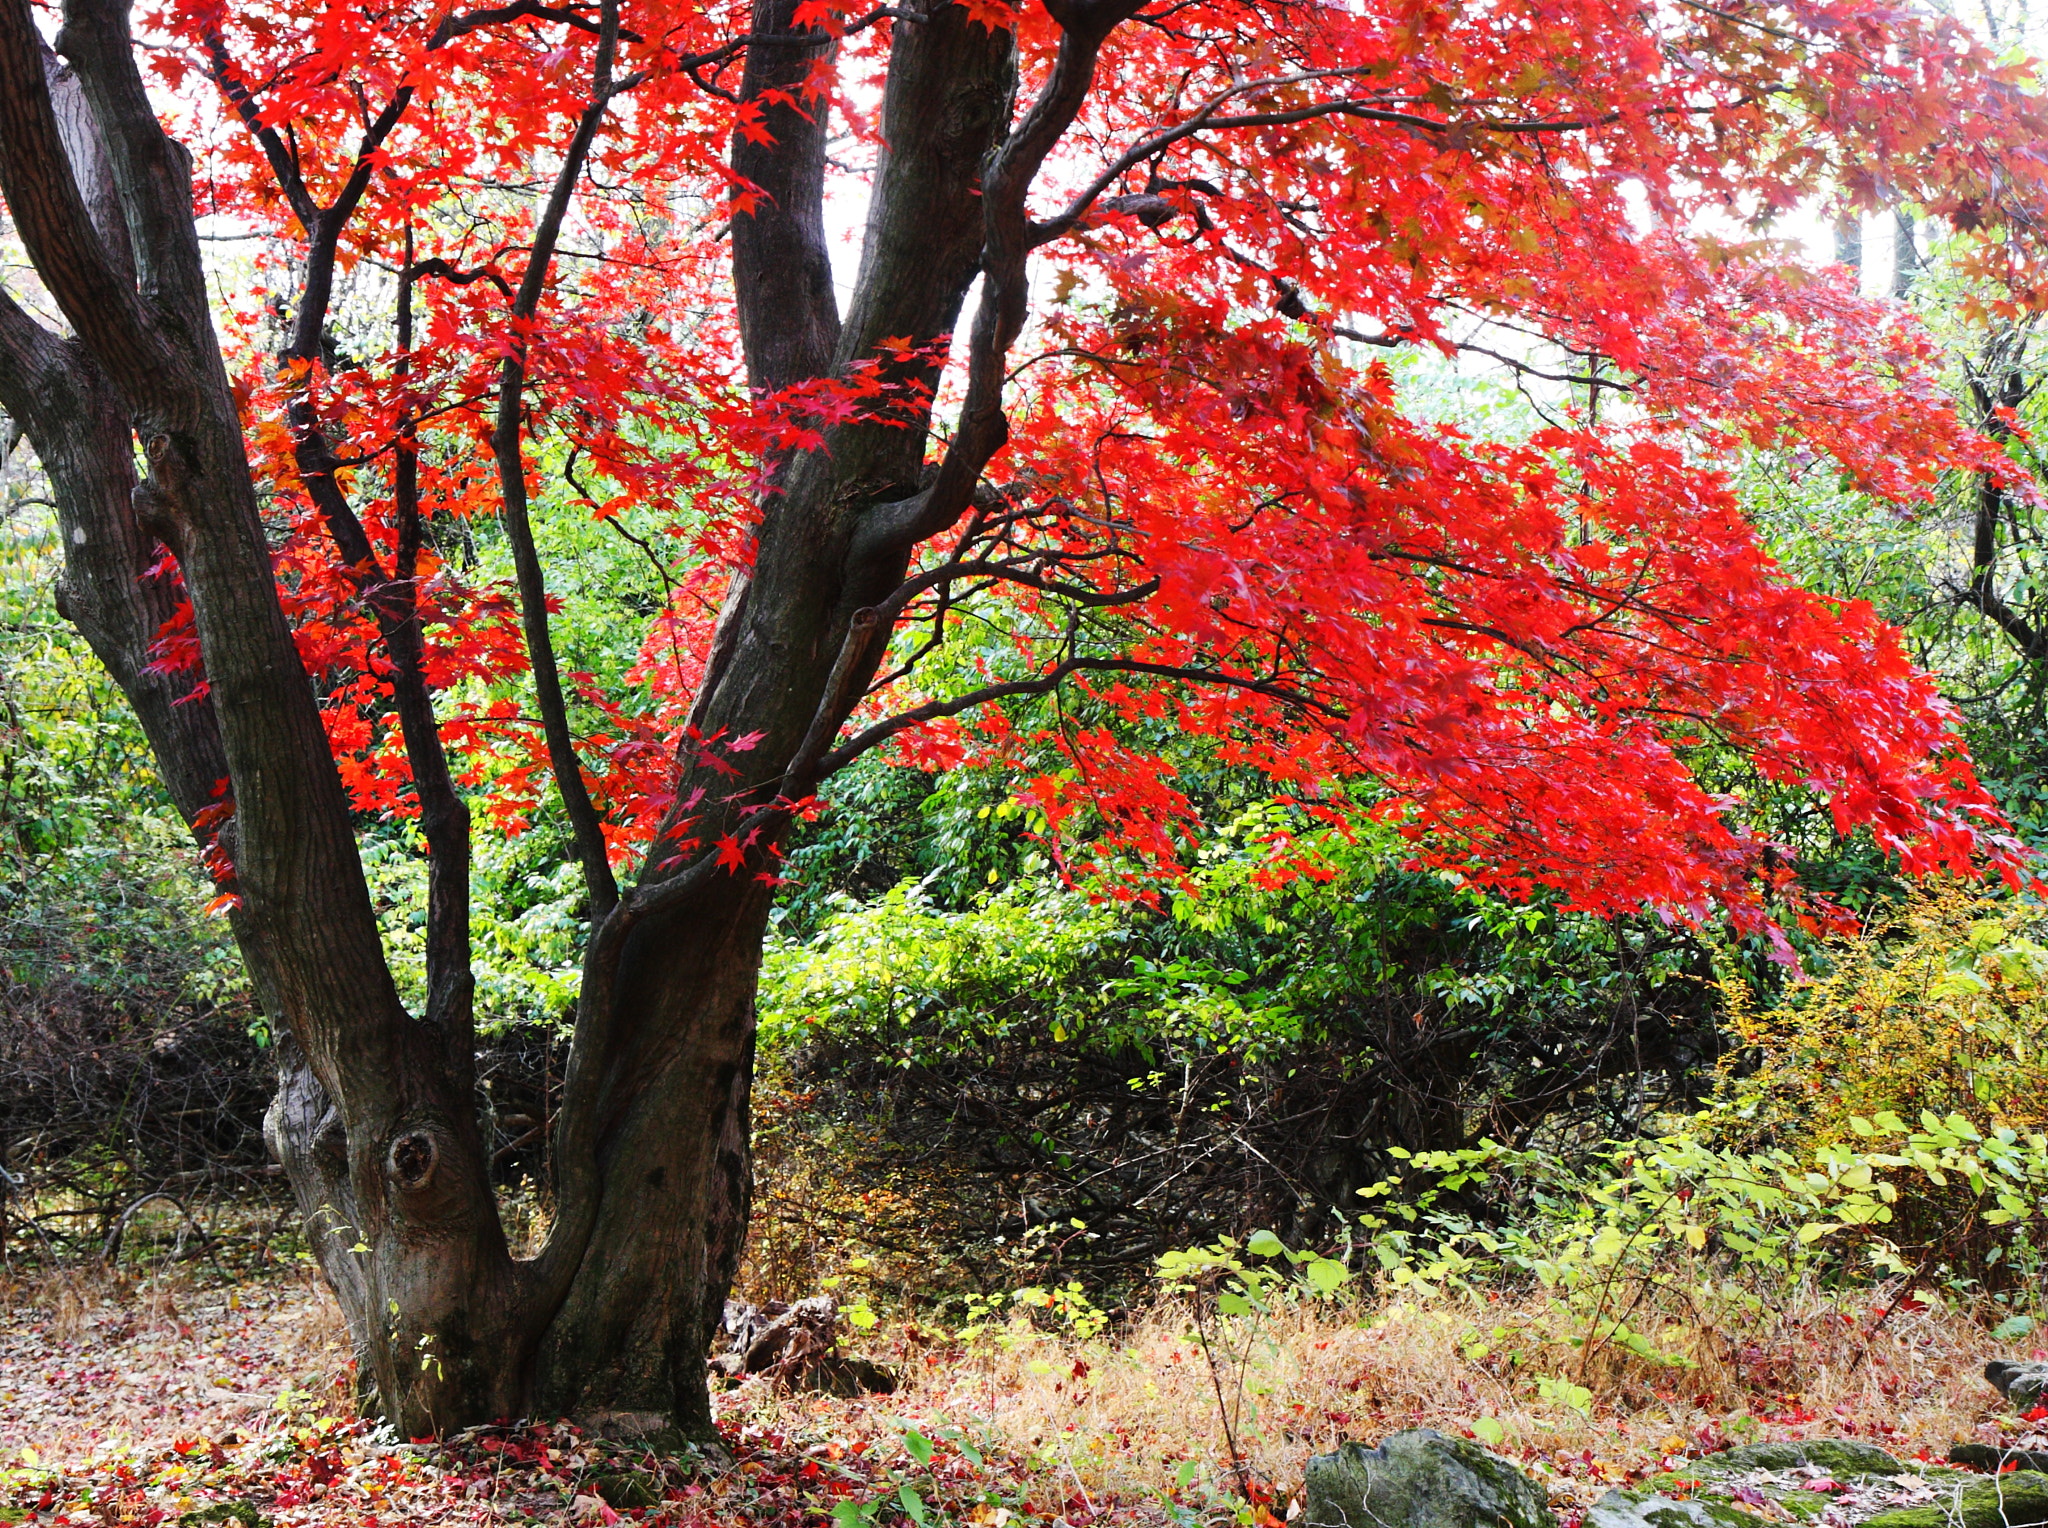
1172, 470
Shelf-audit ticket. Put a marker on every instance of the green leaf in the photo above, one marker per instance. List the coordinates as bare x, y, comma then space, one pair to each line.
913, 1504
1328, 1275
1489, 1431
917, 1445
2012, 1328
1265, 1244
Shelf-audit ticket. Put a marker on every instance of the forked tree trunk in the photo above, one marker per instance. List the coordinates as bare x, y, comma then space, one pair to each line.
624, 1350
375, 1118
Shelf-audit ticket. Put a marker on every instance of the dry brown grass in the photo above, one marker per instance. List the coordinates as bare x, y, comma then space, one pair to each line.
1118, 1417
88, 1362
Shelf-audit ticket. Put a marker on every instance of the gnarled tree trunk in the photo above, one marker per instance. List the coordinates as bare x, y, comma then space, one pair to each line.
375, 1119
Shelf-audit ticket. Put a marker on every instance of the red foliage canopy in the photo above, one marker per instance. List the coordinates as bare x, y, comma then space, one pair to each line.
1220, 506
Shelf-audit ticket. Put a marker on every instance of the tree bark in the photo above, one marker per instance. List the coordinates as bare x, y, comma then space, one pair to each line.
374, 1119
672, 1174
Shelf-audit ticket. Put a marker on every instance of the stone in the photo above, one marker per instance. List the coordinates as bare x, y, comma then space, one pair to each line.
1648, 1509
627, 1489
1799, 1503
2021, 1384
648, 1430
2019, 1500
1838, 1456
1421, 1479
1778, 1479
1989, 1456
842, 1375
241, 1513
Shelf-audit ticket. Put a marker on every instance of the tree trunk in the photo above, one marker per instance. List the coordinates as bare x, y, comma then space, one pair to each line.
375, 1118
626, 1350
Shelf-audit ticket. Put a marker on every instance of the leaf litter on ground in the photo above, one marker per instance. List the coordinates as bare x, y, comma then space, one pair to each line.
188, 1403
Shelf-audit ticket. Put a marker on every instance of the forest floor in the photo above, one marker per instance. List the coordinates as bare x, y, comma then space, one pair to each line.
194, 1399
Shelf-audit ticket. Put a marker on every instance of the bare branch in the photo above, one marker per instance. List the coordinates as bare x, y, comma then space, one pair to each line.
585, 823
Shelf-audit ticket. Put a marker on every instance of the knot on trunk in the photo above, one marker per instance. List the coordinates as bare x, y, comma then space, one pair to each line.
173, 464
413, 1156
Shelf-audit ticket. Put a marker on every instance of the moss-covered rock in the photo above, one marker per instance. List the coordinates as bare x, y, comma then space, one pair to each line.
1840, 1457
2019, 1500
1860, 1479
1647, 1509
1422, 1479
627, 1489
1803, 1504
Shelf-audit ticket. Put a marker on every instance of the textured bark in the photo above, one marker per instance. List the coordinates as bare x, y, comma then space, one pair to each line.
1905, 253
145, 348
374, 1119
672, 1178
789, 316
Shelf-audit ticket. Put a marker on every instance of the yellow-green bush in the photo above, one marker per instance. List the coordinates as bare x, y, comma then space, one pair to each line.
1943, 1008
1938, 1012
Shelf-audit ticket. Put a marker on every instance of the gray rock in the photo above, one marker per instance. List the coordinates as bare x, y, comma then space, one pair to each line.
2022, 1384
1987, 1456
1421, 1479
1838, 1456
1647, 1509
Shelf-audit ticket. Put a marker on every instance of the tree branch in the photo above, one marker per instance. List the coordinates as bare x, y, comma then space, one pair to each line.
585, 824
983, 429
152, 174
1205, 120
1045, 684
782, 266
444, 816
104, 308
1020, 572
